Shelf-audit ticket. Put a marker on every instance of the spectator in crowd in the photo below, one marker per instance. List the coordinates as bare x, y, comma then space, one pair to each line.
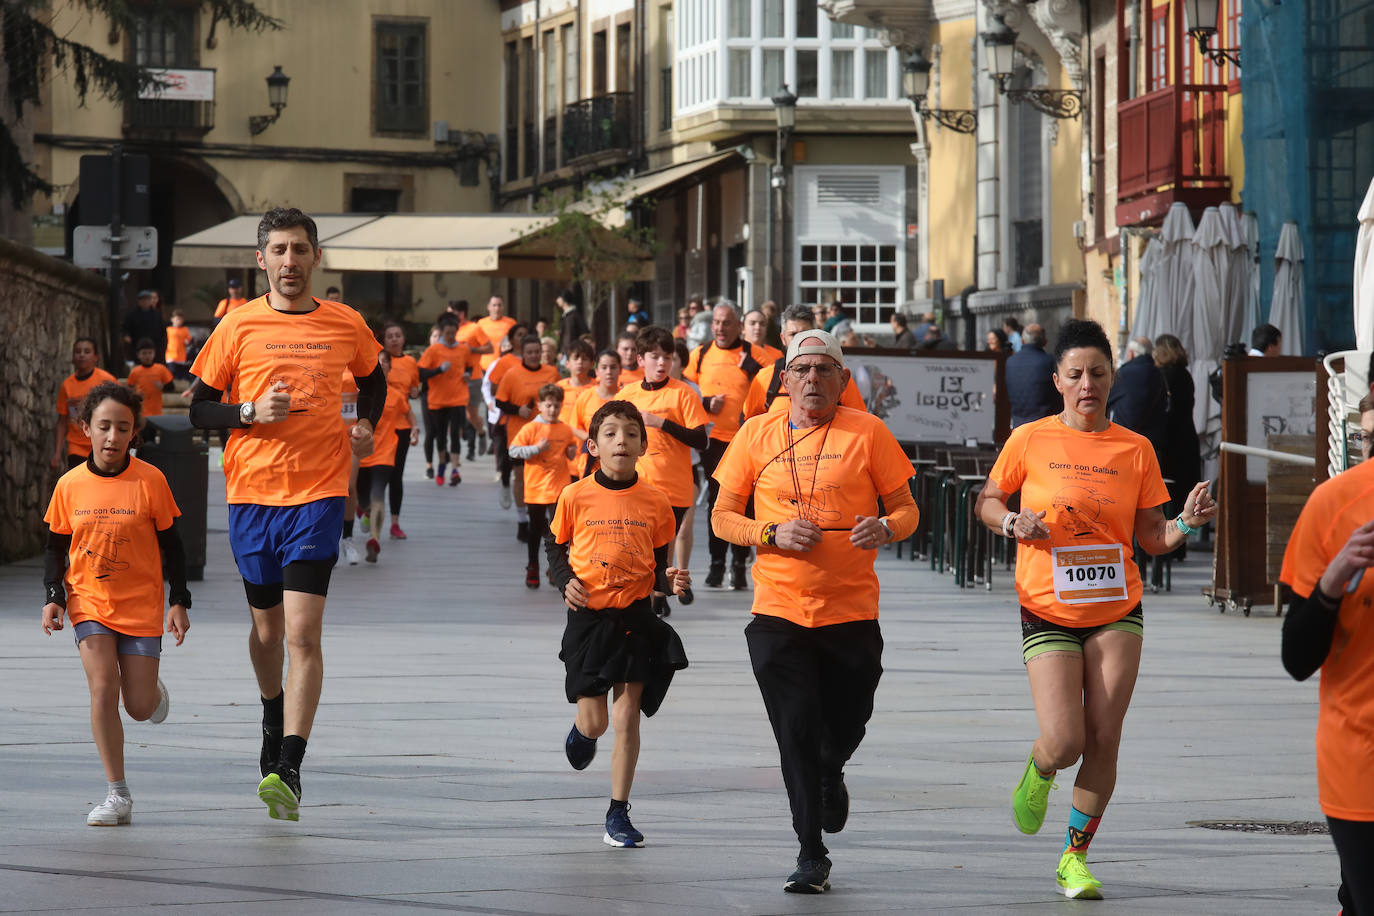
997, 341
1012, 328
1030, 379
699, 331
233, 298
842, 326
684, 323
905, 340
334, 294
922, 329
935, 339
1138, 399
1266, 340
1181, 463
145, 321
572, 324
638, 314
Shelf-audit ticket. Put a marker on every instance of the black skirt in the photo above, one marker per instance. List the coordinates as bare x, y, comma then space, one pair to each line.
621, 645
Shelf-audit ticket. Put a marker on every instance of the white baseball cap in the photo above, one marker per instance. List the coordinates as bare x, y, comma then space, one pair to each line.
815, 342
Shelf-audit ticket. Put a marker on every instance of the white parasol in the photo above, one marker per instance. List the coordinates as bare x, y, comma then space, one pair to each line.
1287, 311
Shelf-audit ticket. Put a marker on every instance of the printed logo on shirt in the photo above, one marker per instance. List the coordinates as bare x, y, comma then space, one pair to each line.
301, 381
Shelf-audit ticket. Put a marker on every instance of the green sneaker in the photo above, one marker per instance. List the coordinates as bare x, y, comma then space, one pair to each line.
280, 790
1030, 799
1074, 879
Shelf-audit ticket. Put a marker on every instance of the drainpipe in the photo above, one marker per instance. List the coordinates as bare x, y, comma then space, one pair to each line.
1135, 49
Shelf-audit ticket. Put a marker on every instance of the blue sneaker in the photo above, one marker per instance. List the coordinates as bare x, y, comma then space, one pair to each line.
619, 830
579, 748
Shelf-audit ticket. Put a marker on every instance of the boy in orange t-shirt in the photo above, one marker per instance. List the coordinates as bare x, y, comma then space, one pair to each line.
445, 365
590, 401
178, 345
608, 552
627, 345
515, 397
111, 539
544, 446
71, 440
150, 379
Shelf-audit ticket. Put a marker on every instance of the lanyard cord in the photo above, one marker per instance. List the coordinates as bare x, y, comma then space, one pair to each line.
807, 509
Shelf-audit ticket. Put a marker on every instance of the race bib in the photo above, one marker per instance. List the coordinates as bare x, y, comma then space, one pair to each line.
350, 407
1091, 574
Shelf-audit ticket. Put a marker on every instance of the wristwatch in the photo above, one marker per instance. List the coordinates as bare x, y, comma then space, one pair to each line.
248, 412
882, 520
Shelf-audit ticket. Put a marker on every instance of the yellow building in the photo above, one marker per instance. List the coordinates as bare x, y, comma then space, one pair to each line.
381, 115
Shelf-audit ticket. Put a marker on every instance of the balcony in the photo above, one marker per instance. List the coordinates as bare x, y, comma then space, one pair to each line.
600, 125
164, 116
1171, 147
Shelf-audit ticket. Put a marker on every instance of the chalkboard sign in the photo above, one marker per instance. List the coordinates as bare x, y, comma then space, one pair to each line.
946, 398
1277, 403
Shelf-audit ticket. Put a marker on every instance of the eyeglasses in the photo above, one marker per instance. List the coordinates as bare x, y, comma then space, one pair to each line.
821, 370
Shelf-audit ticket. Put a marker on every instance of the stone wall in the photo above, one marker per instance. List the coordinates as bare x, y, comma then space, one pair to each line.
44, 305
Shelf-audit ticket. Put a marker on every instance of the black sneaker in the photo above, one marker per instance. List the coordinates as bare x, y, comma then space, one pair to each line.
471, 456
579, 748
619, 830
739, 579
522, 531
834, 803
716, 577
455, 478
429, 472
811, 877
661, 607
686, 597
271, 749
280, 791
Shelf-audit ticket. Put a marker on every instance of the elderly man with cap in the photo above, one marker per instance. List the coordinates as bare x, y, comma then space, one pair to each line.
816, 473
233, 298
766, 392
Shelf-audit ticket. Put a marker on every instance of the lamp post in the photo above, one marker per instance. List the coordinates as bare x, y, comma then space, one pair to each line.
999, 43
276, 97
785, 110
1200, 17
916, 84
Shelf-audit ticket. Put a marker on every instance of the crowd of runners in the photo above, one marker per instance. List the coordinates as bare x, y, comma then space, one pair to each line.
603, 457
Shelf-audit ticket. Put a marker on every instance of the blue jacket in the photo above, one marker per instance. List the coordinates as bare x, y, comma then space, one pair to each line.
1030, 385
1139, 400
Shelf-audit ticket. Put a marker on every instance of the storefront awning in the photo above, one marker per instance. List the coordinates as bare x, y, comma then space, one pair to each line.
231, 244
650, 183
430, 242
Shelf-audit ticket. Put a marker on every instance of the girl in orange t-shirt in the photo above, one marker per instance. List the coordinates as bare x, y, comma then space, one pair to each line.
608, 553
150, 379
403, 376
1089, 490
545, 446
111, 540
397, 425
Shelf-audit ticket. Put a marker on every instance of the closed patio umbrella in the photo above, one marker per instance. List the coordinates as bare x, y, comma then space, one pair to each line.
1147, 322
1364, 275
1173, 291
1211, 262
1287, 311
1240, 310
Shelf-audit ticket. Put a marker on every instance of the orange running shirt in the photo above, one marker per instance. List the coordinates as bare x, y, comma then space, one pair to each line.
611, 537
405, 378
1090, 486
226, 306
755, 401
149, 381
1345, 720
765, 355
448, 389
471, 335
571, 395
303, 458
495, 331
69, 398
177, 341
860, 460
667, 464
519, 386
114, 567
384, 436
548, 472
718, 371
631, 376
503, 365
587, 406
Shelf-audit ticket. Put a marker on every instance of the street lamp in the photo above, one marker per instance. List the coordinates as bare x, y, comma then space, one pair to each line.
1000, 44
916, 84
785, 111
1201, 19
276, 97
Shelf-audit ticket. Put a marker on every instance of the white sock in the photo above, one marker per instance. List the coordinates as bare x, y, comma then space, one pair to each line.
121, 788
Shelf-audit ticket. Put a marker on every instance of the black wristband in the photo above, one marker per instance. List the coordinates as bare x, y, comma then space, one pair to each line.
57, 595
182, 598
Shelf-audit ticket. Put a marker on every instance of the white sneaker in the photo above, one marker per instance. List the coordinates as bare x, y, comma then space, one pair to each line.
113, 811
164, 701
348, 552
506, 498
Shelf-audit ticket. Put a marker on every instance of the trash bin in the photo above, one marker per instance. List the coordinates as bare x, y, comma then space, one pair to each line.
171, 444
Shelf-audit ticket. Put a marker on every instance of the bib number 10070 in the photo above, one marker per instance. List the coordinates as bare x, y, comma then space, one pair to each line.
1090, 574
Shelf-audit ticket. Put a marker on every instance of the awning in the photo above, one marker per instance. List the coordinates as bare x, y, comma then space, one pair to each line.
430, 242
628, 190
232, 244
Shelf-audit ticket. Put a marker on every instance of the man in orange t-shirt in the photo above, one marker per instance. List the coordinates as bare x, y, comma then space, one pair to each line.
470, 335
233, 298
1330, 627
72, 442
544, 446
722, 368
815, 474
150, 379
766, 391
515, 399
280, 361
494, 328
446, 365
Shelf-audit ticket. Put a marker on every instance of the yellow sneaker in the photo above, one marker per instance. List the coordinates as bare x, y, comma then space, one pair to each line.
1074, 879
1030, 799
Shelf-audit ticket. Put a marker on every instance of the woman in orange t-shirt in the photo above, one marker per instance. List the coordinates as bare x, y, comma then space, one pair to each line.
1329, 627
1089, 489
403, 377
111, 539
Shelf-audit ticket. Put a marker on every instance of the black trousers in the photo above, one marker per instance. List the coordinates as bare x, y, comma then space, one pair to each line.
397, 482
499, 446
540, 516
715, 449
1355, 845
445, 430
818, 685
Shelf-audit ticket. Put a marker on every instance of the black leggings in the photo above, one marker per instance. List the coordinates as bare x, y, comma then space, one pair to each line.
445, 429
540, 516
1355, 845
398, 471
739, 554
499, 445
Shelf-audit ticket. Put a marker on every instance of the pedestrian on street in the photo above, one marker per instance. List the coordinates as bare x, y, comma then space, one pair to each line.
402, 377
281, 359
112, 538
1030, 380
608, 551
815, 474
1088, 488
572, 325
1139, 399
145, 321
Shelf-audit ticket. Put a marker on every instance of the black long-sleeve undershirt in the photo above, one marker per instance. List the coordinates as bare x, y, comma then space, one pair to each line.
695, 437
560, 567
209, 412
372, 395
427, 374
1308, 631
509, 407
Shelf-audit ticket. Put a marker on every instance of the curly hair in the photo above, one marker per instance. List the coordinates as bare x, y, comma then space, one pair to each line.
1077, 333
286, 218
623, 409
112, 391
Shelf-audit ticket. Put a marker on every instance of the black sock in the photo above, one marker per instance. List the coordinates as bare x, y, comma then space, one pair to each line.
616, 803
272, 712
292, 751
348, 528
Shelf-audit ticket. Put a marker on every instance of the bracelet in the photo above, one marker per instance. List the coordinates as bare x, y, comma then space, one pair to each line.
770, 535
1183, 526
1009, 523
